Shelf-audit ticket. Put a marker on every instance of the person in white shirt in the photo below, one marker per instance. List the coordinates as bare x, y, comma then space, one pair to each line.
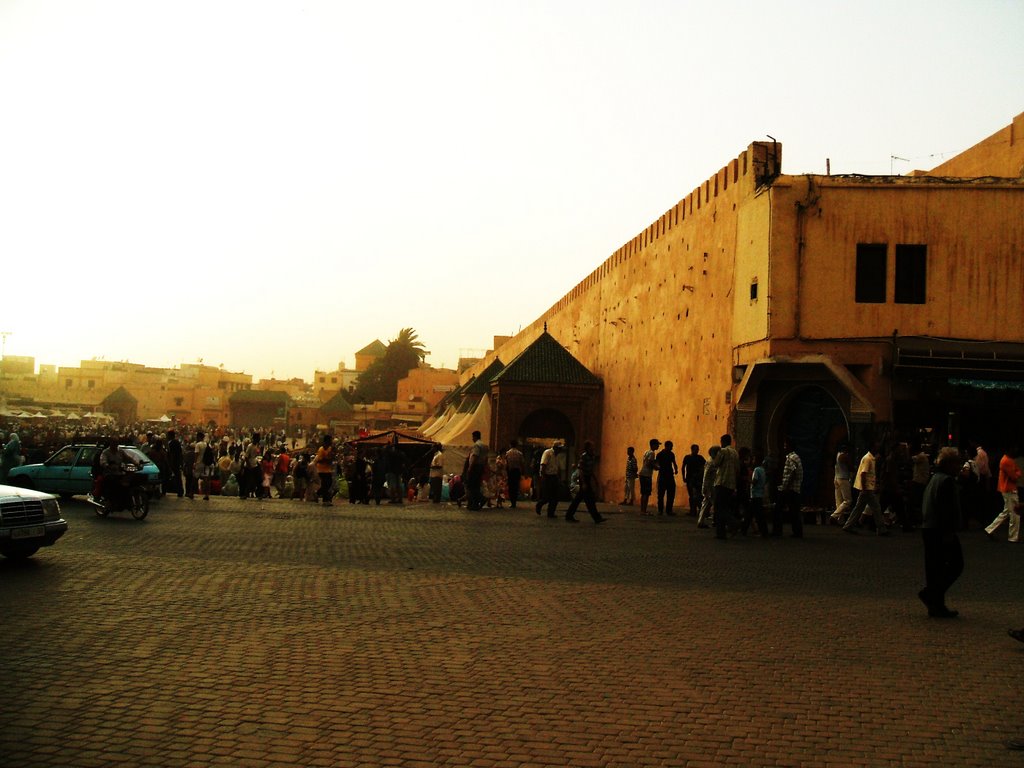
436, 474
549, 472
867, 484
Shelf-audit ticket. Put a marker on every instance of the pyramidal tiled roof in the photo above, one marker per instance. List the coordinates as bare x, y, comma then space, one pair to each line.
481, 385
375, 347
120, 395
546, 362
337, 404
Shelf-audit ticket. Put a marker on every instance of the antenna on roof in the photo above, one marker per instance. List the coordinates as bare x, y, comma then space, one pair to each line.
895, 157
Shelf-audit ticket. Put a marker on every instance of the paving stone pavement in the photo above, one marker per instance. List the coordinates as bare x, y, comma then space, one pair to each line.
286, 634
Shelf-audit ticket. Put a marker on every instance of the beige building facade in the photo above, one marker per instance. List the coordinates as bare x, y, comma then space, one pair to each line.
191, 394
426, 385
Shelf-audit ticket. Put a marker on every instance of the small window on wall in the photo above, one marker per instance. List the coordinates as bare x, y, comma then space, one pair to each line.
753, 290
911, 274
871, 263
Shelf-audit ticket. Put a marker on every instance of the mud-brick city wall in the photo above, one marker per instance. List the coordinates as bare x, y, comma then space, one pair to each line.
655, 321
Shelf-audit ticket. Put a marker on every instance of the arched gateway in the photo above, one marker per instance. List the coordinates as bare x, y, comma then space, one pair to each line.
546, 394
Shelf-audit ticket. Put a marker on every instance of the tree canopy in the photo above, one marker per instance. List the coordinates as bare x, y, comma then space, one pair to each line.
380, 380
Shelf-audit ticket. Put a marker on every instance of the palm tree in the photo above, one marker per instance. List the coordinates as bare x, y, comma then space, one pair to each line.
380, 380
407, 338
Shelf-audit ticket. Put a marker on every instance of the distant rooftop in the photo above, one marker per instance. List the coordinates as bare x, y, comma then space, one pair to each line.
375, 348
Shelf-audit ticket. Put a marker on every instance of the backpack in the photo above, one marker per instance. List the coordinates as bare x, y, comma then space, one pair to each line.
208, 457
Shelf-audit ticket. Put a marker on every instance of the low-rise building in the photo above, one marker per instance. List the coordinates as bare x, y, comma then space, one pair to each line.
258, 409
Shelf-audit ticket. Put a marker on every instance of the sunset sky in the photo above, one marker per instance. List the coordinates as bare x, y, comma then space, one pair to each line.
272, 185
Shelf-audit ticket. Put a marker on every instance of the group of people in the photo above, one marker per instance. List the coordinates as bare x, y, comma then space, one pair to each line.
727, 490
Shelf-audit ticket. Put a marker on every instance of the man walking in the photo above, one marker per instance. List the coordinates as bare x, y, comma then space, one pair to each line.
943, 556
204, 464
588, 486
251, 471
549, 480
325, 469
475, 473
667, 470
693, 476
867, 484
841, 481
515, 462
394, 472
175, 462
707, 490
647, 466
789, 493
726, 467
436, 474
1009, 473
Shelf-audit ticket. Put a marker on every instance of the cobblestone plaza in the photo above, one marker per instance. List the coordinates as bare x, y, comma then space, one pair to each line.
286, 634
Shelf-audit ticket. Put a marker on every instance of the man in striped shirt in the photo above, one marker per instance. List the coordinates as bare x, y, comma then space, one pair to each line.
789, 493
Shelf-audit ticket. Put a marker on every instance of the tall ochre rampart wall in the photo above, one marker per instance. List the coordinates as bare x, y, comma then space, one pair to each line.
658, 320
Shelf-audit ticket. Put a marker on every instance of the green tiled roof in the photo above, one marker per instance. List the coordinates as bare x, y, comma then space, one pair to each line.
337, 404
481, 385
375, 348
258, 396
120, 395
546, 362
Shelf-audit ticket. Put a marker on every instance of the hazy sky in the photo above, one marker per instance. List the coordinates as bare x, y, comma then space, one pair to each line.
273, 185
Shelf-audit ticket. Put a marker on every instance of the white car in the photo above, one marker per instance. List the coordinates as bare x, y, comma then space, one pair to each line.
28, 520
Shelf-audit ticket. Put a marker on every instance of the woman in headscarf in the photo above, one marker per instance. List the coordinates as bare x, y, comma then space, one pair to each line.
11, 456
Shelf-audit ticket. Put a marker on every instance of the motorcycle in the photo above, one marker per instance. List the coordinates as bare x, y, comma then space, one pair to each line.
127, 492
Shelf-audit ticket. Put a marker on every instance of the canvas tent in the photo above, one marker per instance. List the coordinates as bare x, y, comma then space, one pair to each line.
417, 450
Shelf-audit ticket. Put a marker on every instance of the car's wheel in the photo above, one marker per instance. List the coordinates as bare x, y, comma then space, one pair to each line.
19, 551
140, 505
66, 496
22, 481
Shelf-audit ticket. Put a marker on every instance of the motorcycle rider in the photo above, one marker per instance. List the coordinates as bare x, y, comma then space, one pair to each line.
111, 469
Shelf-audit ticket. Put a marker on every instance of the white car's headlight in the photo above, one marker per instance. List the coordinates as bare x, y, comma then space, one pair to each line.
51, 510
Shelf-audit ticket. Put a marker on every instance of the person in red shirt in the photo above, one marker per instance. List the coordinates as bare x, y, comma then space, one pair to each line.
281, 467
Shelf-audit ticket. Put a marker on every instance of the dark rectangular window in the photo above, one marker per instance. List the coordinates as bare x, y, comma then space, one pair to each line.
911, 274
871, 273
